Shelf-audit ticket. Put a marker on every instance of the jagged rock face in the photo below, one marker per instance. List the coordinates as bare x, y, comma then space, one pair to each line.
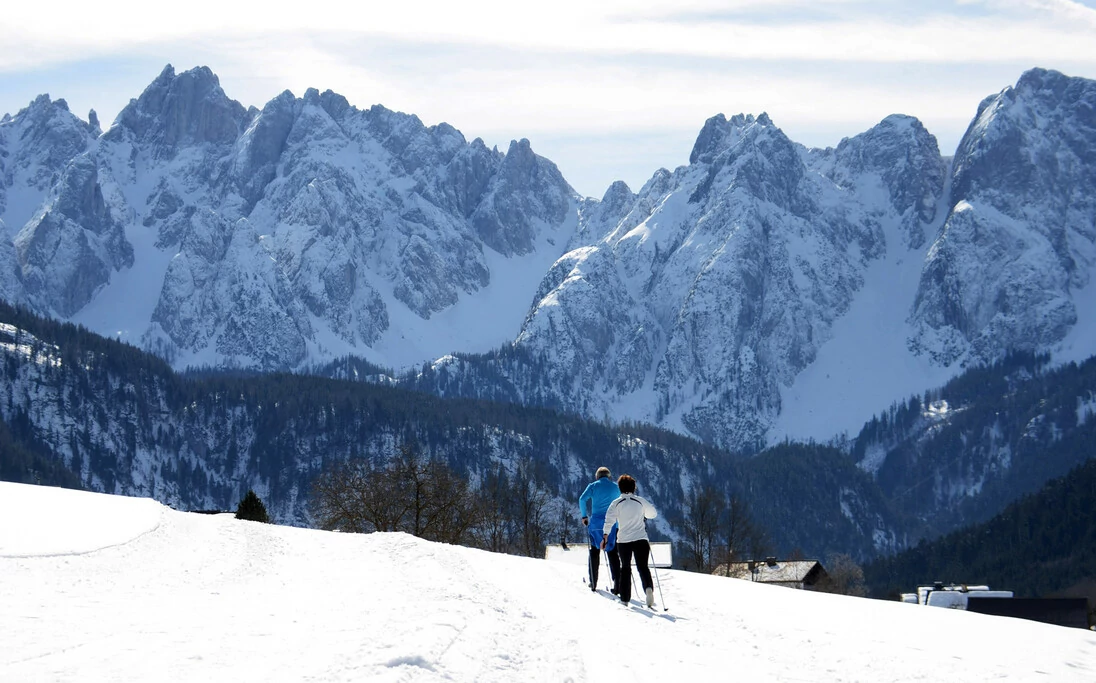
35, 147
224, 272
905, 158
68, 250
177, 110
525, 186
701, 295
1020, 238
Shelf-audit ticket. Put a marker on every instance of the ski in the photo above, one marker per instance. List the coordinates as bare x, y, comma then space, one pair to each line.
637, 603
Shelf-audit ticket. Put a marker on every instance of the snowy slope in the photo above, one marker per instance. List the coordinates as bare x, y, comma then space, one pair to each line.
102, 588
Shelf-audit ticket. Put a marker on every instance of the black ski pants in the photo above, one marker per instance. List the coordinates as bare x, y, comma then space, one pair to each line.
641, 550
595, 562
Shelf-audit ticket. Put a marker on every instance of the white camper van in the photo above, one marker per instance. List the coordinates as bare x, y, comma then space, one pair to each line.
953, 596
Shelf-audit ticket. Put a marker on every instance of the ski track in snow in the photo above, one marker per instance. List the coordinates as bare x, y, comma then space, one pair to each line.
191, 597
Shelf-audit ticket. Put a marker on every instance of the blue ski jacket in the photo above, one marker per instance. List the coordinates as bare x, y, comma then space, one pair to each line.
597, 496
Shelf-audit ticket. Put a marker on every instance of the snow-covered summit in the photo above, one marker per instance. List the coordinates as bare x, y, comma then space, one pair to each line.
1017, 251
35, 145
901, 154
181, 109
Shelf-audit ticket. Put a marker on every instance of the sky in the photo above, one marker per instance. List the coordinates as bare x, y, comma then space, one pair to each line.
608, 90
108, 588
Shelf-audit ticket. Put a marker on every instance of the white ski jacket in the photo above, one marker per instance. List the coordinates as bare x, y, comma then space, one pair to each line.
631, 512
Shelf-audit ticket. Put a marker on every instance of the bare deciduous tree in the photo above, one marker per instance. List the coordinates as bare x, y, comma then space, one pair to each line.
422, 497
741, 537
518, 514
718, 529
533, 514
495, 531
703, 507
844, 576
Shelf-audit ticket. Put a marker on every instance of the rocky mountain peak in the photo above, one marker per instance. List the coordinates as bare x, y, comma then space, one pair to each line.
1051, 82
262, 145
334, 104
752, 155
68, 250
93, 121
35, 146
527, 192
905, 156
45, 118
720, 134
1018, 133
617, 196
186, 108
41, 105
1020, 238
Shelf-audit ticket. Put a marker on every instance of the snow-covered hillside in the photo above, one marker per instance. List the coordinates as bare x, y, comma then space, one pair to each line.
104, 588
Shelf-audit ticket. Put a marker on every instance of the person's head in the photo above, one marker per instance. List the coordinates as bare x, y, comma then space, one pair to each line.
601, 472
627, 483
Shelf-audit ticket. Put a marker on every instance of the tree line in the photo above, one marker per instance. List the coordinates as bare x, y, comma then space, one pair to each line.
508, 512
1041, 545
108, 410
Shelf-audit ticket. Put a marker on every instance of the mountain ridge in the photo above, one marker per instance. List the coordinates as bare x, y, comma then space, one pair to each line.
309, 230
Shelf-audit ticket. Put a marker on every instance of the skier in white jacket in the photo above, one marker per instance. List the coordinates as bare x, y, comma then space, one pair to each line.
630, 513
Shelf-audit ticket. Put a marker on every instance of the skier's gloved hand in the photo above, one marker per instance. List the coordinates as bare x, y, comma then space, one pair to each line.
585, 521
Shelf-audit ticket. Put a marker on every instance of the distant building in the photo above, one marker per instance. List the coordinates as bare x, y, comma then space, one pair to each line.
801, 574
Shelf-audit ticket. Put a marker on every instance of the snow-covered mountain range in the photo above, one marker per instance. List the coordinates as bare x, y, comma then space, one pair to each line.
218, 235
763, 290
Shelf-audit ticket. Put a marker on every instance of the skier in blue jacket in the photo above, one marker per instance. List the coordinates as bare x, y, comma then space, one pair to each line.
592, 505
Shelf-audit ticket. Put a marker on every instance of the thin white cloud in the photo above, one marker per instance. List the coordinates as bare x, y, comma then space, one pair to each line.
574, 68
1029, 29
1061, 10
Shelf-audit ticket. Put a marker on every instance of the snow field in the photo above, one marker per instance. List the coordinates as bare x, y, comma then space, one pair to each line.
105, 588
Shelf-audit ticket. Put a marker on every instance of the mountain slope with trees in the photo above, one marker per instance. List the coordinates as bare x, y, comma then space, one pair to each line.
84, 410
711, 301
1041, 545
954, 456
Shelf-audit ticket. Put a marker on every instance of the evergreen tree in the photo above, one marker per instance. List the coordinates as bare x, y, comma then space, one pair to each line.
252, 508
